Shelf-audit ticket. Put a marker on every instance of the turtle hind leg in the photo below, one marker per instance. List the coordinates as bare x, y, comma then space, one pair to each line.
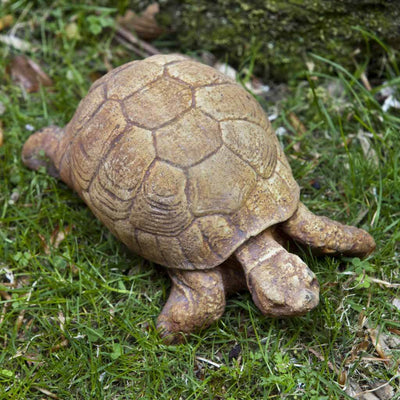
40, 150
280, 283
327, 236
197, 299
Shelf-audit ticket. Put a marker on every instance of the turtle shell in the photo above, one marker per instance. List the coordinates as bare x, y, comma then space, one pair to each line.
178, 161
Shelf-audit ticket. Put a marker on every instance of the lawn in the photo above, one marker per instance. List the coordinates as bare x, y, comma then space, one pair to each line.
78, 310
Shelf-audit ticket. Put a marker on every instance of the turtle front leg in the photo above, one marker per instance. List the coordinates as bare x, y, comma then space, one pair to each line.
281, 284
327, 236
197, 299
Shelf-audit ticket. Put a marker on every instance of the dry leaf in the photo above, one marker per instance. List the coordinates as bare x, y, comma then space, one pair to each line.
20, 320
4, 312
58, 236
4, 295
380, 391
378, 341
356, 350
6, 21
61, 320
64, 343
28, 74
394, 330
33, 359
55, 239
145, 25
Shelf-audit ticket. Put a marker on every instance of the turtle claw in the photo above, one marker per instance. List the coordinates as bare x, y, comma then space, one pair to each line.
168, 336
284, 287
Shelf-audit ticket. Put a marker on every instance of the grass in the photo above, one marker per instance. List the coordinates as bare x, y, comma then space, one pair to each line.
77, 317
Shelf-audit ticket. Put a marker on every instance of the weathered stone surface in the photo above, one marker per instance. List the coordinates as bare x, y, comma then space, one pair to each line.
190, 176
189, 139
221, 193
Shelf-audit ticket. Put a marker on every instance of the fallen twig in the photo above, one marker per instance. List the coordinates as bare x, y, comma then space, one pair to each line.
208, 361
138, 44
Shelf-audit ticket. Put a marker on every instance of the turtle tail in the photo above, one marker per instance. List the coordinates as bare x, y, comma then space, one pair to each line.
40, 150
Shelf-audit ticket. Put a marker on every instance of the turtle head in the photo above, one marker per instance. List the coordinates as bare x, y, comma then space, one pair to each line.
41, 148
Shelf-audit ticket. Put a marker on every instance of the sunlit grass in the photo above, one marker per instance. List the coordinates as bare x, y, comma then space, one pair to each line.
77, 319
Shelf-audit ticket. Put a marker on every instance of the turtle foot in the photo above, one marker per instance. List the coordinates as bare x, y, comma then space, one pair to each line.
197, 299
280, 283
326, 236
284, 286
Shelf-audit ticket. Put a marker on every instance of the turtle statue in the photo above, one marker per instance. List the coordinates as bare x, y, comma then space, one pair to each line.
182, 165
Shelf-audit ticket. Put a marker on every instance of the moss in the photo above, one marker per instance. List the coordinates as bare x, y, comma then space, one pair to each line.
281, 34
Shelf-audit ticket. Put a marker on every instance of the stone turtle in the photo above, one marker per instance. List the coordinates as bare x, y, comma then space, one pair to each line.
182, 165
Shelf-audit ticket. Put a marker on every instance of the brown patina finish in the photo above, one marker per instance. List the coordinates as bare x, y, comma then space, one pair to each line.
181, 164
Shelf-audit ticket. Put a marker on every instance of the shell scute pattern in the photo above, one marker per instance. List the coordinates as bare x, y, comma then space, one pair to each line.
222, 192
172, 99
161, 207
124, 231
166, 59
229, 101
127, 162
178, 161
196, 249
149, 245
275, 197
105, 78
93, 101
172, 252
220, 233
93, 142
121, 85
120, 175
257, 147
91, 104
174, 144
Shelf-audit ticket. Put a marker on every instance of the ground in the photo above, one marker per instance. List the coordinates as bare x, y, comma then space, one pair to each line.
77, 309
